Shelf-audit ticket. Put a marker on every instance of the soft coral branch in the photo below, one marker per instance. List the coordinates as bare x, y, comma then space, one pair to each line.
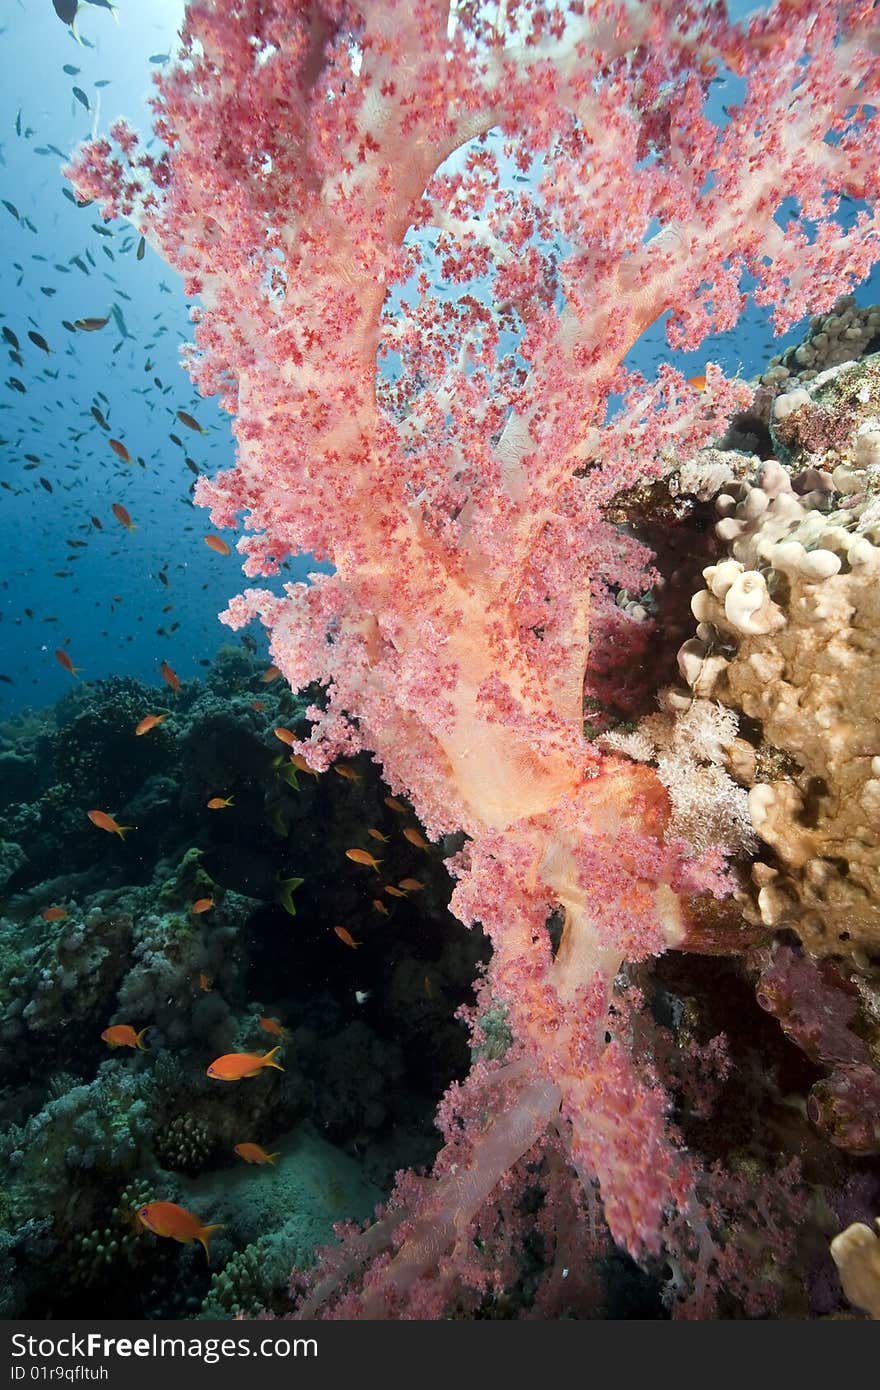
461, 507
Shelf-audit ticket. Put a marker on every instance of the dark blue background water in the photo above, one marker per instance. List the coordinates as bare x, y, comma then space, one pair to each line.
107, 598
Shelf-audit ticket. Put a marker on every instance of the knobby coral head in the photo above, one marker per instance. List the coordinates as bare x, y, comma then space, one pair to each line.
423, 238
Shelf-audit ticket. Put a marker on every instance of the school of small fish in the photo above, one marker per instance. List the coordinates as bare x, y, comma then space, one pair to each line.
105, 459
96, 484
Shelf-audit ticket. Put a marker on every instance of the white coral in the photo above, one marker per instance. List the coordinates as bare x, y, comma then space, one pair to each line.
688, 750
856, 1252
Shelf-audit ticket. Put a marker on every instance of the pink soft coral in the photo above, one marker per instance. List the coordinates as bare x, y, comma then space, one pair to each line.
461, 504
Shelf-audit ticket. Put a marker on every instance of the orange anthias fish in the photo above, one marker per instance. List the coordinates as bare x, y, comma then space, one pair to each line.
363, 856
123, 1035
217, 544
191, 423
64, 660
394, 805
258, 705
393, 892
148, 722
206, 984
286, 735
168, 1219
751, 45
53, 914
104, 821
203, 905
380, 907
377, 835
270, 674
411, 885
169, 676
122, 514
218, 802
235, 1066
347, 772
346, 936
301, 765
254, 1153
119, 450
273, 1026
415, 838
699, 382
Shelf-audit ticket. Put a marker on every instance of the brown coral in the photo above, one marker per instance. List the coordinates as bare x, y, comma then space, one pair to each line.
789, 634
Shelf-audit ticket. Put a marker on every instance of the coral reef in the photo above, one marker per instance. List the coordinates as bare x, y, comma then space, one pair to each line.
844, 334
12, 857
278, 1215
59, 971
688, 751
772, 1054
103, 1253
788, 634
87, 1135
184, 1145
630, 965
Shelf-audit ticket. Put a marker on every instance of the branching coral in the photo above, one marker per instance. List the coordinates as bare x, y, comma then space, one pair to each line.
461, 503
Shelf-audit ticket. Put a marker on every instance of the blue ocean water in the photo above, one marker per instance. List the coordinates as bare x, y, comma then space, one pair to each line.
119, 601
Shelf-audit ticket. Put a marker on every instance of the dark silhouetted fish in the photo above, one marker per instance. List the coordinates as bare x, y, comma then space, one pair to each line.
120, 321
66, 10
